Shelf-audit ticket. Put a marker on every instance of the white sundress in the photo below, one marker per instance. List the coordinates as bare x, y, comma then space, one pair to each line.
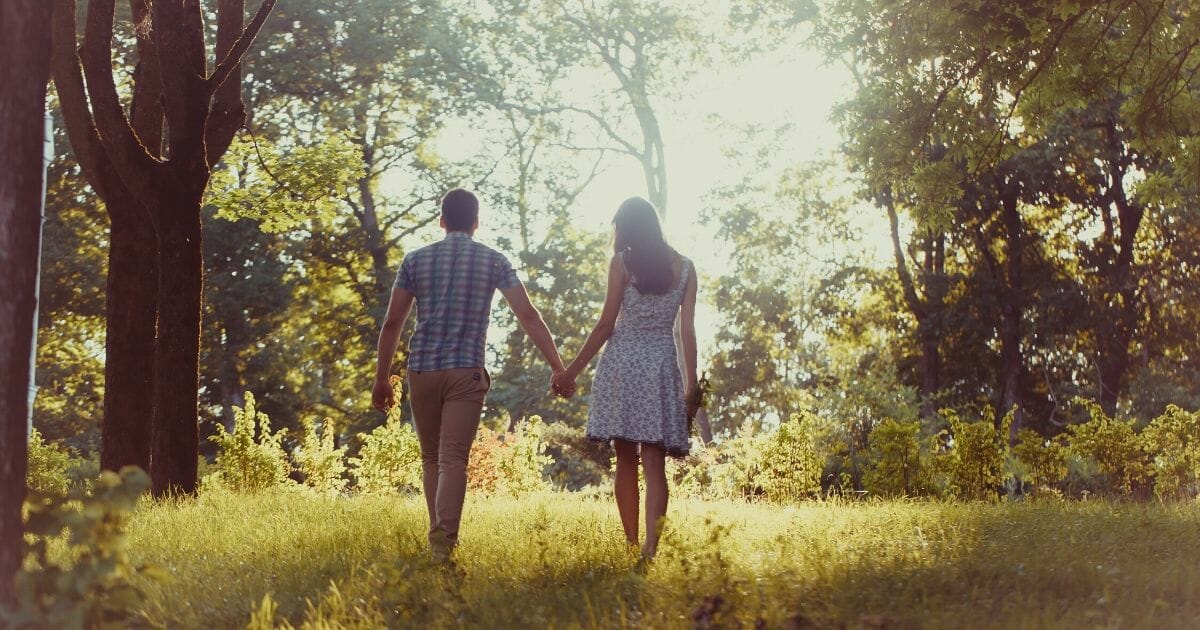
637, 393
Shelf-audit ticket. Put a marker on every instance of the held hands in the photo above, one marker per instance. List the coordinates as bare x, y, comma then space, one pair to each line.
563, 383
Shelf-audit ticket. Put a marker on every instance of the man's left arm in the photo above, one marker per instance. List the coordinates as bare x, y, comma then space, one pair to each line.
389, 338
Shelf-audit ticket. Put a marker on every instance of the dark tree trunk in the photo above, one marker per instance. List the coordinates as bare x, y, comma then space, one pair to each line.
122, 156
1012, 359
131, 305
25, 49
1123, 303
177, 357
927, 310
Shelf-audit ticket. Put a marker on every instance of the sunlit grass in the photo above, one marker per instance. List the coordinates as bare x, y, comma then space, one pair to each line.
558, 560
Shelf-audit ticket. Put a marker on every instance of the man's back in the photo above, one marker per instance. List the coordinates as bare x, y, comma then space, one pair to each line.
454, 281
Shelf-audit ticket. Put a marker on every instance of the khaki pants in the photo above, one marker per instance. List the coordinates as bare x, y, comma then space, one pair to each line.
446, 406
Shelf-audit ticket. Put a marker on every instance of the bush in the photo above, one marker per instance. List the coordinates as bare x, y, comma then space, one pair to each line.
251, 458
1110, 446
510, 462
894, 464
319, 460
975, 461
789, 467
390, 459
98, 587
49, 466
1042, 462
1172, 441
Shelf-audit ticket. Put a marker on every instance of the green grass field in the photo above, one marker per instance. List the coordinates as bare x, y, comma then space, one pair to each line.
558, 560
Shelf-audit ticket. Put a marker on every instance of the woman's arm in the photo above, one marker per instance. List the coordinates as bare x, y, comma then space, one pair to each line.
608, 318
687, 331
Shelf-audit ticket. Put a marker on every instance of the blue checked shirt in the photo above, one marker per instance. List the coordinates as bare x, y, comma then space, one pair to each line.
454, 281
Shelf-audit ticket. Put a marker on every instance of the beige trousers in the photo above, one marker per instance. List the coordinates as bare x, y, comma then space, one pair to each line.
446, 405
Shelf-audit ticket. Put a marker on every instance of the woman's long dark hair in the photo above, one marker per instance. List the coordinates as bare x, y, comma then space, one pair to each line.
647, 255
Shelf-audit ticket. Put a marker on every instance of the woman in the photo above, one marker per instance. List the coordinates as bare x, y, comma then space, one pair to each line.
638, 395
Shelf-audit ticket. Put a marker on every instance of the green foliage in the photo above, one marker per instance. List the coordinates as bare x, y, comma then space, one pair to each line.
789, 466
98, 585
1111, 446
284, 188
1042, 462
251, 458
1172, 442
390, 459
896, 465
975, 461
49, 466
319, 459
512, 463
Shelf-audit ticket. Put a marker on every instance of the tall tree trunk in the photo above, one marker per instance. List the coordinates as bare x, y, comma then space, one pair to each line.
177, 358
927, 310
1123, 302
25, 49
1012, 359
131, 309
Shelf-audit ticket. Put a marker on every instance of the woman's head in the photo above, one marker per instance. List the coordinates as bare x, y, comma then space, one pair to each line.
638, 235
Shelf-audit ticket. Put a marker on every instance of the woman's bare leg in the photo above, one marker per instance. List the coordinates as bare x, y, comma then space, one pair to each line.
625, 487
654, 465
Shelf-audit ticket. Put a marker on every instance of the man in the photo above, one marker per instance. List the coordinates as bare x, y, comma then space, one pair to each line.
452, 282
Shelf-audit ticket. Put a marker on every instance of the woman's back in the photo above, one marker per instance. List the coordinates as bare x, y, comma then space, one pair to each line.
650, 314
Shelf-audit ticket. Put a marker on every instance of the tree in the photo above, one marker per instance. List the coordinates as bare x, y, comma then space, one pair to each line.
25, 48
957, 101
152, 178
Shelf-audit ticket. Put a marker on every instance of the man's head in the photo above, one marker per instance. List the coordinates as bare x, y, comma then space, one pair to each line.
460, 211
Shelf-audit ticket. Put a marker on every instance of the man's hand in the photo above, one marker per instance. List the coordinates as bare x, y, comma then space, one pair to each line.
382, 396
563, 383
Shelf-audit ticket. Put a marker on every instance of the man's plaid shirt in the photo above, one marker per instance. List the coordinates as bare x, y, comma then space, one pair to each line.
454, 281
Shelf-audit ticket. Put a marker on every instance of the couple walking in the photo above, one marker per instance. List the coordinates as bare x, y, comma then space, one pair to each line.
638, 395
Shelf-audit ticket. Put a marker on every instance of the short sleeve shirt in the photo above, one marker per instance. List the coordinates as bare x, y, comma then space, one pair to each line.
454, 281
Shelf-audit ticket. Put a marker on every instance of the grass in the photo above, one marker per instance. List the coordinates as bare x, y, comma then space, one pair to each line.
558, 560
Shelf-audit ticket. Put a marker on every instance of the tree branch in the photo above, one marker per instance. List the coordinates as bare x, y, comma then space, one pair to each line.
231, 62
130, 159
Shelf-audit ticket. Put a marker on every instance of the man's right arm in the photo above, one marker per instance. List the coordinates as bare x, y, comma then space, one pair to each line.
389, 338
532, 323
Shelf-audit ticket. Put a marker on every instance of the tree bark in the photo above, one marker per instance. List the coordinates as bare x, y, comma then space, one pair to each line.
25, 49
131, 294
1123, 303
926, 311
1012, 359
176, 440
131, 317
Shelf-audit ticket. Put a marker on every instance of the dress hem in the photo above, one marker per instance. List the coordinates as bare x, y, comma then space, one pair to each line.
672, 452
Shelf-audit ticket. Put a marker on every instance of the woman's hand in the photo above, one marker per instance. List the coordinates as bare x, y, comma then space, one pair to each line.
693, 400
563, 383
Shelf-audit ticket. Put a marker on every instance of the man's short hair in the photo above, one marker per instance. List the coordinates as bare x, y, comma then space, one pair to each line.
460, 210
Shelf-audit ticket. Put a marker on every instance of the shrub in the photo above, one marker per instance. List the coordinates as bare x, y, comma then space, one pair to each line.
319, 460
1111, 446
49, 466
1042, 462
251, 458
390, 459
735, 475
789, 467
1172, 441
894, 465
98, 587
510, 462
975, 461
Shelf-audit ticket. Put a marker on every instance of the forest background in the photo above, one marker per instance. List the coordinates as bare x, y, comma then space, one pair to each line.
987, 214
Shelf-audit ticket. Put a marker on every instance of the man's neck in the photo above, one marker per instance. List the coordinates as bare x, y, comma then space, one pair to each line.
457, 233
